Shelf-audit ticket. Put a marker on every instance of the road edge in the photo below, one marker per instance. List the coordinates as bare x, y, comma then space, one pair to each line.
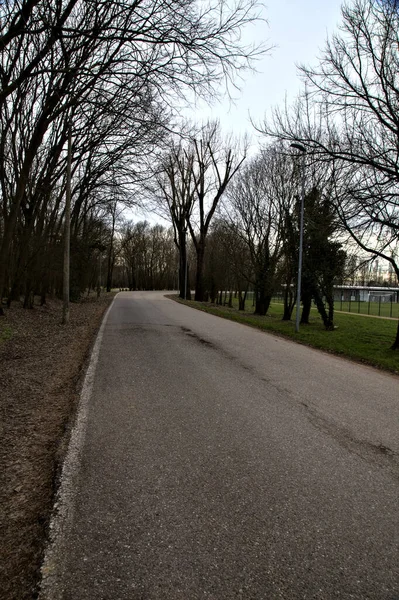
50, 587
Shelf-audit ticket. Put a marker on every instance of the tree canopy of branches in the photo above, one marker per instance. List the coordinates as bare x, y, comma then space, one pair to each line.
349, 117
255, 211
215, 164
109, 70
192, 179
175, 198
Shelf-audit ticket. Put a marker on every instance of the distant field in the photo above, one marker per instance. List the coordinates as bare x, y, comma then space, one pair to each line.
365, 339
383, 309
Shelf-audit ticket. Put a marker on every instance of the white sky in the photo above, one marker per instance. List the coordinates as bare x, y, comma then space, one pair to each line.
298, 29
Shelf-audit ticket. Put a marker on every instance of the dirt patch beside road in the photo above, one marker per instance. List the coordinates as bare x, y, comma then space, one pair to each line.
41, 365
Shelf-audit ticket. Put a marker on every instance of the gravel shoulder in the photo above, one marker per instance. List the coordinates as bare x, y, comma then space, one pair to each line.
41, 364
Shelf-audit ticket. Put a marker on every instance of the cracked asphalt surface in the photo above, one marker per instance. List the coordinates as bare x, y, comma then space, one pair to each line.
221, 462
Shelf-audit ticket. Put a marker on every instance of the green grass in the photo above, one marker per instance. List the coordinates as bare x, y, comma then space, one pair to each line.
383, 309
5, 332
364, 339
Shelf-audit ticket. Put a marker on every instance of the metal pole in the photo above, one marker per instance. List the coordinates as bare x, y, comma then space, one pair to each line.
99, 264
185, 264
67, 231
299, 283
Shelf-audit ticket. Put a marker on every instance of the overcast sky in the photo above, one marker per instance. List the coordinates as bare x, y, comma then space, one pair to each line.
297, 29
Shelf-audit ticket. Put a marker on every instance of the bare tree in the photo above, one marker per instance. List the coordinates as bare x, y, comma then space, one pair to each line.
353, 96
149, 256
230, 262
174, 179
192, 178
62, 55
254, 212
216, 162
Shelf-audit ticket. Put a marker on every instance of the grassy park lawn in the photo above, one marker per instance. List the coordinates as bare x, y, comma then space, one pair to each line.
361, 338
383, 309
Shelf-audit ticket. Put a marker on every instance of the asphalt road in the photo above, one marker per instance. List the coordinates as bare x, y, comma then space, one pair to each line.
219, 462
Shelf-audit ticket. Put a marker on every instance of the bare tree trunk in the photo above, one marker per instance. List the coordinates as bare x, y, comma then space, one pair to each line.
289, 302
199, 280
213, 292
183, 283
110, 267
262, 305
330, 303
188, 286
262, 299
306, 306
328, 323
241, 299
8, 232
395, 345
110, 262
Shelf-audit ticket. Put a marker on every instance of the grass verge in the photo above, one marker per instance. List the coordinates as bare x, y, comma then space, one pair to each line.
364, 339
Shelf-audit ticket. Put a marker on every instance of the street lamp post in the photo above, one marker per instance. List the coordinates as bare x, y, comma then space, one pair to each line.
185, 263
67, 232
302, 149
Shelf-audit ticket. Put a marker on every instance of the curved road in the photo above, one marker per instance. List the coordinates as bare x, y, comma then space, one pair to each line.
220, 462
